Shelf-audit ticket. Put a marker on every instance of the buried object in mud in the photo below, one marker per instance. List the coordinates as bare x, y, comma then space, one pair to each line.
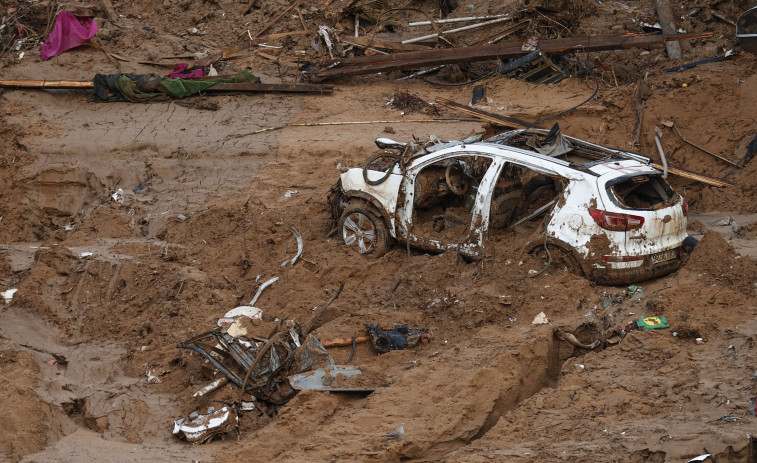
652, 323
401, 337
746, 30
322, 379
200, 429
260, 366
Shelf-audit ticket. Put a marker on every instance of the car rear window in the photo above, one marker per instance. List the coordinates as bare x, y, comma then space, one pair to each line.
641, 192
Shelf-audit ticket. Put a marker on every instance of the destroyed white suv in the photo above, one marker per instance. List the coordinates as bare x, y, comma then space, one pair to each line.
610, 215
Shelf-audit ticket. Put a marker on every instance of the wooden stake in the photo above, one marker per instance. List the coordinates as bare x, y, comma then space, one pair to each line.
665, 16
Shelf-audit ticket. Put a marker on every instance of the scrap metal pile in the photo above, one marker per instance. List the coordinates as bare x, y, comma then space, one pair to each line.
259, 365
271, 360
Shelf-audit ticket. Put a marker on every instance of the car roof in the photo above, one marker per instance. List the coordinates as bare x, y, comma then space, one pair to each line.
610, 167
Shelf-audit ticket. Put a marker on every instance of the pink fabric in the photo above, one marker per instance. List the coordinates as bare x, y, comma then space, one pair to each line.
69, 32
178, 73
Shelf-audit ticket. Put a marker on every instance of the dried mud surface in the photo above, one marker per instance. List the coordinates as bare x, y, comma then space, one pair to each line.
207, 206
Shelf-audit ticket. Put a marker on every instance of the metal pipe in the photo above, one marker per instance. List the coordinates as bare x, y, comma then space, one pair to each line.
457, 20
657, 136
459, 29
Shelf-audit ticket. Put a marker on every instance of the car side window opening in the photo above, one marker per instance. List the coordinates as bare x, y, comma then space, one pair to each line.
520, 191
642, 192
445, 194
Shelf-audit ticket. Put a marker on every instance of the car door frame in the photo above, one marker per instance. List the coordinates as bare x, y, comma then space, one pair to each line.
472, 243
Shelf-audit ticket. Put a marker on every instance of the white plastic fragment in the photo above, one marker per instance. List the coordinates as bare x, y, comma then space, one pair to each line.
8, 295
699, 458
245, 311
85, 254
220, 382
299, 244
198, 428
722, 222
289, 193
540, 319
152, 378
261, 288
118, 196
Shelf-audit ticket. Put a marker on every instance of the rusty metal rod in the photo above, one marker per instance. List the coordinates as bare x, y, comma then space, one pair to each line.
414, 60
269, 88
675, 127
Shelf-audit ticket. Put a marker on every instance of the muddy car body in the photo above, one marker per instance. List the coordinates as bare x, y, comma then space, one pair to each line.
609, 213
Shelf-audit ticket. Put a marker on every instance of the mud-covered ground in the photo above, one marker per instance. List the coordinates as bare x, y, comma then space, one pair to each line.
205, 216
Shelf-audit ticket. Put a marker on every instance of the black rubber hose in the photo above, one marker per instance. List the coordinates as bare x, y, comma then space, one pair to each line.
373, 159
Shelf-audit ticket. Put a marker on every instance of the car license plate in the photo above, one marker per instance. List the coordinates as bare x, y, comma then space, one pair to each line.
663, 256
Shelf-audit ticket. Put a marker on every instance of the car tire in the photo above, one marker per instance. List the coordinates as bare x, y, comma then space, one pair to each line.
561, 259
363, 230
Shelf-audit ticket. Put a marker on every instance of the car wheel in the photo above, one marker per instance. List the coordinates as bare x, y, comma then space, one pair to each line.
558, 258
363, 230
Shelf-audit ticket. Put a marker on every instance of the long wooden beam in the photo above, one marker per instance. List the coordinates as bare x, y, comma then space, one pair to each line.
241, 87
62, 84
505, 121
414, 60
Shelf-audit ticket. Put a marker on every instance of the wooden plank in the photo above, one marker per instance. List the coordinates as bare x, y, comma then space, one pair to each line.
517, 123
706, 179
665, 16
505, 121
412, 60
62, 84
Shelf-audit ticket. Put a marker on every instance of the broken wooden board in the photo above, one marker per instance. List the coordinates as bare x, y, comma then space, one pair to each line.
504, 121
208, 60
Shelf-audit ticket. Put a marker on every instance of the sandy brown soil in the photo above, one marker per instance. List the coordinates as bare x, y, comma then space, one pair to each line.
205, 218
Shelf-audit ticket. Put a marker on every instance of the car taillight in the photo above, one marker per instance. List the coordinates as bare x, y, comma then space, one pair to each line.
616, 222
685, 208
